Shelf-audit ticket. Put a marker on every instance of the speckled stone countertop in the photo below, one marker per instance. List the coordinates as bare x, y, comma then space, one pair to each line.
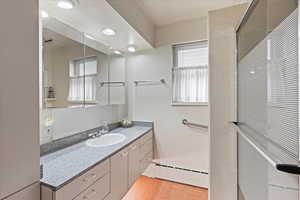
62, 166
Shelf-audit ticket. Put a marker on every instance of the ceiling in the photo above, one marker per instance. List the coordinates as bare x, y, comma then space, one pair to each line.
163, 12
91, 17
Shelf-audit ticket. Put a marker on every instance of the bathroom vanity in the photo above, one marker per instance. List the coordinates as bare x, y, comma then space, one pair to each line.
83, 172
83, 86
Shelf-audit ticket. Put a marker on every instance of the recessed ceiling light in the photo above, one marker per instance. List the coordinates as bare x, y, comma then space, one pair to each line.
89, 37
117, 52
44, 14
131, 48
109, 32
66, 4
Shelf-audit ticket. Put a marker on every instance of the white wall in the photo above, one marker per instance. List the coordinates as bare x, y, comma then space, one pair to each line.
222, 69
117, 72
181, 32
176, 144
69, 121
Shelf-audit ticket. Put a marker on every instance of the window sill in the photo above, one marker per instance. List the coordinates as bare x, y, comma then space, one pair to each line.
189, 104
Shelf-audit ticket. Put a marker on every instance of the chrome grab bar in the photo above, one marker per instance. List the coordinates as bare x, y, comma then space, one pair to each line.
161, 81
187, 123
288, 168
112, 83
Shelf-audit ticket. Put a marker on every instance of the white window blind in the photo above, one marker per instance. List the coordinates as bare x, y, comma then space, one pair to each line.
83, 80
190, 73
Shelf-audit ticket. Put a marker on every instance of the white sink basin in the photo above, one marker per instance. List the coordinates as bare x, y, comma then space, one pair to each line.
106, 140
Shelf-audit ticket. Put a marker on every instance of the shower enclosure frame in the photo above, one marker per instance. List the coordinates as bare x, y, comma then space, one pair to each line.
246, 15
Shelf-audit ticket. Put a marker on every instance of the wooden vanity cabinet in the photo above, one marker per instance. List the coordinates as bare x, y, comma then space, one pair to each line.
98, 175
119, 174
129, 164
133, 163
112, 178
99, 190
146, 152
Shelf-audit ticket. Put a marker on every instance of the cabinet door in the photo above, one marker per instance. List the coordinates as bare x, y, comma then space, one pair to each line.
19, 98
134, 162
119, 175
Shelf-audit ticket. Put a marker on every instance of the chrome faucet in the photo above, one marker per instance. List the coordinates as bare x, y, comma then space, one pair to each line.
104, 128
102, 131
95, 134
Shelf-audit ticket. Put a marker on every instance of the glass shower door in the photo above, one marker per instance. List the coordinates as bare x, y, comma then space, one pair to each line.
268, 111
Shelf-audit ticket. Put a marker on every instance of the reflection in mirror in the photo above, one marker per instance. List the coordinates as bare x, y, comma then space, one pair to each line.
80, 77
117, 89
104, 76
77, 70
95, 65
63, 73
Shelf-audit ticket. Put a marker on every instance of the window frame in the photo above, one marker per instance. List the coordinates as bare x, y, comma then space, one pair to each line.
83, 101
174, 62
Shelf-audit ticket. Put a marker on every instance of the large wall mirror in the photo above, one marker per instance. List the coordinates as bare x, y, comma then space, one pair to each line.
62, 78
77, 70
80, 77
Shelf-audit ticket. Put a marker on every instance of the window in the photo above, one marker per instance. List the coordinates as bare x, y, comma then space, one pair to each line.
83, 80
190, 73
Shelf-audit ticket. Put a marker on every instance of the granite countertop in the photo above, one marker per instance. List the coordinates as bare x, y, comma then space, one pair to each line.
62, 166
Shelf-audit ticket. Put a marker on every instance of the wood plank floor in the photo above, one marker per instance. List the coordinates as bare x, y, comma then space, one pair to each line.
155, 189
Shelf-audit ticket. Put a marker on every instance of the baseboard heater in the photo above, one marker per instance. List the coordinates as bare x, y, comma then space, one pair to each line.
179, 168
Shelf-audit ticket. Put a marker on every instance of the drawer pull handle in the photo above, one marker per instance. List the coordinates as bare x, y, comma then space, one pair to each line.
92, 176
134, 147
93, 192
125, 154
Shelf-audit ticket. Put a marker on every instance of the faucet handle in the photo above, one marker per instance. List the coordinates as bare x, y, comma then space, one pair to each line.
92, 135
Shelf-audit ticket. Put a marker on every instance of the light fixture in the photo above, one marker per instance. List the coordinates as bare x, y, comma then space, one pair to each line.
89, 36
66, 4
44, 14
109, 32
131, 48
117, 52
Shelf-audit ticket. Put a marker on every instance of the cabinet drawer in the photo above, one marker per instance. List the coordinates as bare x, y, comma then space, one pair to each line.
146, 137
75, 187
145, 162
146, 148
97, 191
